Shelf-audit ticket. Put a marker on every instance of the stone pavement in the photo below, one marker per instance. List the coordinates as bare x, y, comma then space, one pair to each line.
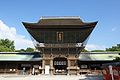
51, 77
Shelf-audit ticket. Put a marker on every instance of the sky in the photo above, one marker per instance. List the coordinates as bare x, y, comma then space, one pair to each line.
106, 12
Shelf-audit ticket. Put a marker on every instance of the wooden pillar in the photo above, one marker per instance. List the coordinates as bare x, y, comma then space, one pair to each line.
51, 61
43, 62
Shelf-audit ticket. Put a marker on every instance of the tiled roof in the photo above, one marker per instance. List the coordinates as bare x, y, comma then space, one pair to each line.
60, 20
20, 56
98, 56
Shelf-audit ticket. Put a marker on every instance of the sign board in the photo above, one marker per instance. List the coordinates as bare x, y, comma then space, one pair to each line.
25, 65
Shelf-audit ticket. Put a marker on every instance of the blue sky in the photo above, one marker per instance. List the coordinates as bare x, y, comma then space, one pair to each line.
106, 12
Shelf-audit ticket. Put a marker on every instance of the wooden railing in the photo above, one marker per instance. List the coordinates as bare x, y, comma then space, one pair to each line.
61, 45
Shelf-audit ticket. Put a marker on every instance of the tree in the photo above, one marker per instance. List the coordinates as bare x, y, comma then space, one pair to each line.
117, 59
29, 49
21, 50
97, 51
26, 50
6, 45
5, 49
114, 48
84, 50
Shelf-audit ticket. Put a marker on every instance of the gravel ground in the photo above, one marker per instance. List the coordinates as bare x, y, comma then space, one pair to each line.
50, 77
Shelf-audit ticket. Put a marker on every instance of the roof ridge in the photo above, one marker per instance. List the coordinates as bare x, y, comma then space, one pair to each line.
60, 17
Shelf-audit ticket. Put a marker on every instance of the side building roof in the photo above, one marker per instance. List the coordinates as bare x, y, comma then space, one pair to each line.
20, 56
98, 56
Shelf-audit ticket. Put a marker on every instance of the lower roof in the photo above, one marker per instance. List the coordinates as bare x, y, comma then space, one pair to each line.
98, 56
16, 56
36, 56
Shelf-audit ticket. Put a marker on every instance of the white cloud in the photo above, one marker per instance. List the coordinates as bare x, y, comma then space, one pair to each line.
10, 32
113, 29
94, 47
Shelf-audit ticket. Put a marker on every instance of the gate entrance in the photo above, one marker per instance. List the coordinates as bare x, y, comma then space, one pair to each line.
60, 64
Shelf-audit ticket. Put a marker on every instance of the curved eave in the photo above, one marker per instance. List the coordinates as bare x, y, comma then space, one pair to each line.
37, 25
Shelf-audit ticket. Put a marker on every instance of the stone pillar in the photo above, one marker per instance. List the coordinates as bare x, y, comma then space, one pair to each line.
51, 66
68, 67
43, 66
78, 70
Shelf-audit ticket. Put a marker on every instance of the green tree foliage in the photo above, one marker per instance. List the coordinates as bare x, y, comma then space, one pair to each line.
6, 45
5, 49
29, 49
117, 59
84, 50
21, 50
97, 51
114, 48
26, 50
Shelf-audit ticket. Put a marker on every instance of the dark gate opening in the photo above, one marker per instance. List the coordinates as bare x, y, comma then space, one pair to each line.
60, 64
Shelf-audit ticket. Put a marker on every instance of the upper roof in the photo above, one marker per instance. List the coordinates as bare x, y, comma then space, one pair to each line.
59, 20
60, 17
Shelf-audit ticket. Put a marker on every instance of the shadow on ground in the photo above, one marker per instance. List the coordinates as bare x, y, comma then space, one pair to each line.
93, 77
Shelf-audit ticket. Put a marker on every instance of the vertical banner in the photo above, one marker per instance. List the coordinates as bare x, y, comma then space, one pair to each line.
116, 73
111, 71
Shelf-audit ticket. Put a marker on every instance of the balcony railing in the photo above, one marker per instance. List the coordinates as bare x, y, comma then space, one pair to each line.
60, 45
